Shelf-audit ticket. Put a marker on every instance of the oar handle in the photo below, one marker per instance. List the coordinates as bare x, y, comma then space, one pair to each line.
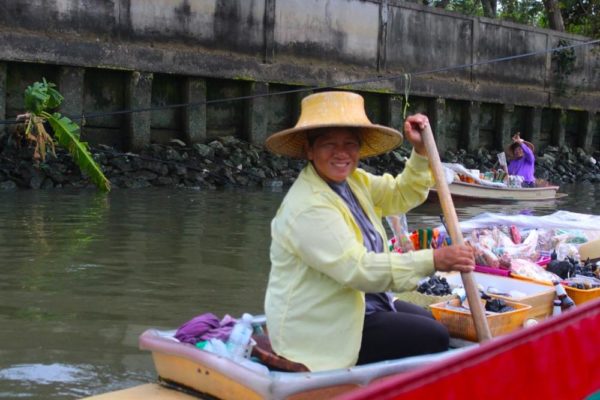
477, 311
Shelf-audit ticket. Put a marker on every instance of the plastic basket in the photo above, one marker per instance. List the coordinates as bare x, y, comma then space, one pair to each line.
580, 296
460, 323
539, 297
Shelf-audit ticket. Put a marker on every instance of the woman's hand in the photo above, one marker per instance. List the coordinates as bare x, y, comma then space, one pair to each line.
413, 127
454, 258
517, 138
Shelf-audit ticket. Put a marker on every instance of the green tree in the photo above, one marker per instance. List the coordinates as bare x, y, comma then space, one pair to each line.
574, 16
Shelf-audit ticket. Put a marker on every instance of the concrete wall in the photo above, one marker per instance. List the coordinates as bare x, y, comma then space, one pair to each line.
117, 54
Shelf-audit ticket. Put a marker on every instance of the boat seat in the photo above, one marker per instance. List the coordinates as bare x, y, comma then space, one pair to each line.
264, 352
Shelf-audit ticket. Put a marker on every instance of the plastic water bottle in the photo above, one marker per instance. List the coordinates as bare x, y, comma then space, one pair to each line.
239, 339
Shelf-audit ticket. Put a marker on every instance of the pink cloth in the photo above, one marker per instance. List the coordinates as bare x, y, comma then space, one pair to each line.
204, 327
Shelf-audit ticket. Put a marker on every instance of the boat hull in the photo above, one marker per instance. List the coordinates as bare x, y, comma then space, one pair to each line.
202, 372
480, 192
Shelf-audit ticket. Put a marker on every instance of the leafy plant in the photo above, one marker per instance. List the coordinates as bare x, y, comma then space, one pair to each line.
39, 98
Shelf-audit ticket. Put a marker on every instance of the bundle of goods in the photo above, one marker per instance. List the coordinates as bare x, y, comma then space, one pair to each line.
582, 288
432, 289
404, 241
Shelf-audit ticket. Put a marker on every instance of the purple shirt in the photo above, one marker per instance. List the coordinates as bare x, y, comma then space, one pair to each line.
372, 240
523, 166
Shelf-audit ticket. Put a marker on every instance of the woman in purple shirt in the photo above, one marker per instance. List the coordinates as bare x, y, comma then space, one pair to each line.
523, 160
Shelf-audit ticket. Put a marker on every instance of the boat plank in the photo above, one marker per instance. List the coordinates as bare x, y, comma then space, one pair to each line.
148, 391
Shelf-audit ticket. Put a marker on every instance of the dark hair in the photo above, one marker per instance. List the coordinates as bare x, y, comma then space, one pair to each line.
514, 146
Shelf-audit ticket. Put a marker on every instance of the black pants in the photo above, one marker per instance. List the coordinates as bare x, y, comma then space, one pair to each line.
409, 331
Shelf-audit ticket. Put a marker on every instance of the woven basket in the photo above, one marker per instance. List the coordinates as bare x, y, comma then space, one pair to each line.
420, 299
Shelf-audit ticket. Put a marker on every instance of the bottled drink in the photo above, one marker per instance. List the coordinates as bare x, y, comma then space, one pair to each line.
238, 343
565, 301
556, 310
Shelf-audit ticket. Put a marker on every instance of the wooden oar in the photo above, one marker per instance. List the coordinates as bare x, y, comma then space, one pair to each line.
477, 311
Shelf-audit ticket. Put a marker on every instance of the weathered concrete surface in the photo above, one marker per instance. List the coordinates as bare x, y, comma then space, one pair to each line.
310, 42
286, 44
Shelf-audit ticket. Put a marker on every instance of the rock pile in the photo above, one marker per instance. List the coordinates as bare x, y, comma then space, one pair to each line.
230, 162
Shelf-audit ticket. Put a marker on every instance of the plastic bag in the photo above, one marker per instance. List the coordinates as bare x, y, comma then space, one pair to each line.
531, 270
401, 241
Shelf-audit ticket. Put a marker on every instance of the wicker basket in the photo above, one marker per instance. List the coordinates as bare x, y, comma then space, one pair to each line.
420, 299
460, 323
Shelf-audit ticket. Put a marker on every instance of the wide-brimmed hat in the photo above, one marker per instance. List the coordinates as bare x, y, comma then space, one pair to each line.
510, 153
334, 110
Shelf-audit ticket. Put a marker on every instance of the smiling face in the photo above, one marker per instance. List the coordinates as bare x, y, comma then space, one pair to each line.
335, 154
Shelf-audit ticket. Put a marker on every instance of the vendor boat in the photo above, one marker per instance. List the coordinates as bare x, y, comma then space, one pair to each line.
476, 191
557, 358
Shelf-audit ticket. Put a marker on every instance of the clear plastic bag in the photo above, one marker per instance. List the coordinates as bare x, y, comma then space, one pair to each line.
401, 241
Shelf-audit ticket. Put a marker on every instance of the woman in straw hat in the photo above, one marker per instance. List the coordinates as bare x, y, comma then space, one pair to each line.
522, 160
329, 245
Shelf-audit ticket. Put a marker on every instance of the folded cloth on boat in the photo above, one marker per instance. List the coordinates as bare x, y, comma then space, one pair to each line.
204, 327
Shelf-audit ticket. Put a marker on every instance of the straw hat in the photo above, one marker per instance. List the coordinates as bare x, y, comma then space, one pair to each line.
509, 152
334, 110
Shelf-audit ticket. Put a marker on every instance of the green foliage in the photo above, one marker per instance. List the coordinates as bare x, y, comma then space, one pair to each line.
467, 7
529, 12
42, 96
564, 65
67, 135
39, 99
580, 16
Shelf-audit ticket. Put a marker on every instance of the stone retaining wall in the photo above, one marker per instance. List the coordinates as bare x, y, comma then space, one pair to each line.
132, 54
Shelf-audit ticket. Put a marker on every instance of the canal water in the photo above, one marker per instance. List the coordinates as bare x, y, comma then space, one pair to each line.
83, 274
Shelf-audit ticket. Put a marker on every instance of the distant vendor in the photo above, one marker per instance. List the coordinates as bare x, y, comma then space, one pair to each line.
522, 160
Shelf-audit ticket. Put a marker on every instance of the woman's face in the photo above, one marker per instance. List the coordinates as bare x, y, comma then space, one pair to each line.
335, 154
518, 152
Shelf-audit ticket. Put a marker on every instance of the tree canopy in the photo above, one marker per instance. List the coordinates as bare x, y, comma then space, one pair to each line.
581, 17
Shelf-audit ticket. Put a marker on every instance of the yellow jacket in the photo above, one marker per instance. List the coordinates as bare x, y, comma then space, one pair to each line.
320, 269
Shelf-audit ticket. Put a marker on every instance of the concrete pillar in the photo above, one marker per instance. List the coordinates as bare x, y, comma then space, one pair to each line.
194, 116
139, 95
504, 128
589, 128
3, 74
439, 123
393, 112
269, 31
256, 113
70, 85
559, 126
472, 120
297, 104
382, 35
534, 126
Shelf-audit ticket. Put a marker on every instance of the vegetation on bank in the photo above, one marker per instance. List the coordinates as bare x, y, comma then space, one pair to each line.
580, 17
40, 98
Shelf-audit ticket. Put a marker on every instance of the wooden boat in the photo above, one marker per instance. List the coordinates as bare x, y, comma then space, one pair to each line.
182, 365
557, 359
481, 192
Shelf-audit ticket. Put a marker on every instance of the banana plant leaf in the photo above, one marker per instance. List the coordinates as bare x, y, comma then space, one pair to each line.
66, 133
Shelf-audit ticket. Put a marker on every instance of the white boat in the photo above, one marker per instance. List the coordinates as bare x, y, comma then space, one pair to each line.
491, 193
